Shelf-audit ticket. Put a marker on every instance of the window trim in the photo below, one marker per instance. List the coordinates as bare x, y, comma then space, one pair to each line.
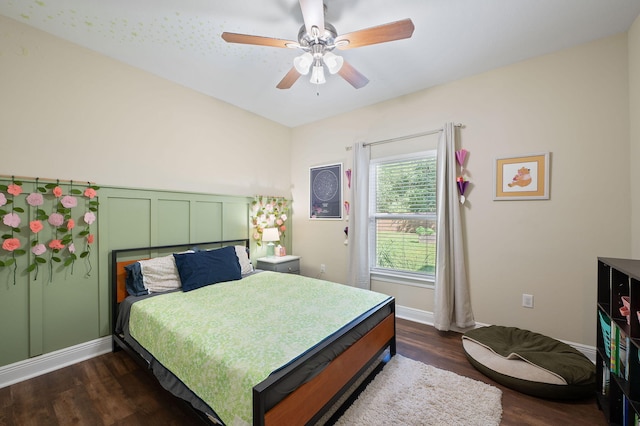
404, 278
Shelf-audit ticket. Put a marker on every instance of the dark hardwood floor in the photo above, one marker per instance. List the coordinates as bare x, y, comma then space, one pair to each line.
113, 389
444, 350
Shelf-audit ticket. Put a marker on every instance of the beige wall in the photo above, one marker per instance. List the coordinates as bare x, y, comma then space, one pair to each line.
573, 104
634, 119
69, 113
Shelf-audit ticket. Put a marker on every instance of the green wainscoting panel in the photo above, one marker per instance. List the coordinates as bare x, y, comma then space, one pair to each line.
66, 306
128, 221
208, 221
36, 311
174, 222
235, 220
14, 318
70, 309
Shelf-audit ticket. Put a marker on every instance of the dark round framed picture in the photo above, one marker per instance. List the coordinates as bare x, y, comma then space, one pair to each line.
325, 192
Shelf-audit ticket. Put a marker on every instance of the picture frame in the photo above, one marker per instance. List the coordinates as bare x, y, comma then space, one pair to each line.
525, 177
325, 192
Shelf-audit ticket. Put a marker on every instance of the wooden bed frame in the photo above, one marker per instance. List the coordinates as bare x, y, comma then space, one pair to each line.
310, 401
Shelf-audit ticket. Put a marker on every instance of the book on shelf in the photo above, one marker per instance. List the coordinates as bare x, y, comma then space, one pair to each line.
614, 352
625, 411
623, 354
606, 377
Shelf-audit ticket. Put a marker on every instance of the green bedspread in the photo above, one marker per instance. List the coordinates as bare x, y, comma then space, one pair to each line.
223, 339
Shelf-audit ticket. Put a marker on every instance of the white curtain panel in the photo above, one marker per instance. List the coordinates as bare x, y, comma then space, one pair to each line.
452, 304
358, 238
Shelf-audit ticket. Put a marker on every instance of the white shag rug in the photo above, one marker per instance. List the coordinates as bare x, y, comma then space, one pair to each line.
408, 392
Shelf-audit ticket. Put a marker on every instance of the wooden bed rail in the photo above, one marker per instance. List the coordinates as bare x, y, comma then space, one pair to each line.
301, 406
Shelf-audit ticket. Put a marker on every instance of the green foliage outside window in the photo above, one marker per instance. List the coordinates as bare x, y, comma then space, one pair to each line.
404, 214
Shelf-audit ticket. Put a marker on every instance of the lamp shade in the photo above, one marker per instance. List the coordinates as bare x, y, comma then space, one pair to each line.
303, 63
333, 62
270, 234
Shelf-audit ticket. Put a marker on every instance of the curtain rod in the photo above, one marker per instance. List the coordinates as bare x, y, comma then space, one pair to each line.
402, 138
34, 179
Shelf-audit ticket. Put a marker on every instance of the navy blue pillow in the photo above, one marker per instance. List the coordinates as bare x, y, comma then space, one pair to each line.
203, 268
133, 280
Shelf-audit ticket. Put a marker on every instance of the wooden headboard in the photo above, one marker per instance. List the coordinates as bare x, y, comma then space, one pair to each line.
118, 273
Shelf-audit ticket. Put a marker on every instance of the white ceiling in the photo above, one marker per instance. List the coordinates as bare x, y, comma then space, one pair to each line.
180, 40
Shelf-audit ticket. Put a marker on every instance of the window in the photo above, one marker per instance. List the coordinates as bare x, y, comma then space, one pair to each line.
402, 215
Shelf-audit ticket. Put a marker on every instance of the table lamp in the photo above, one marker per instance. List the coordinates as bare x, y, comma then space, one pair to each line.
270, 235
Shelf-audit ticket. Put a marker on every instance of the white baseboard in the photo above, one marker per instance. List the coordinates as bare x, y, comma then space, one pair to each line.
415, 315
42, 364
426, 317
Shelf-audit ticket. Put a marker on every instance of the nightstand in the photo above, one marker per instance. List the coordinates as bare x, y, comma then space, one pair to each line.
287, 264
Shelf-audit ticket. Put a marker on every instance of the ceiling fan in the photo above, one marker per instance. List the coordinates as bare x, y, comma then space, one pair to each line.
318, 39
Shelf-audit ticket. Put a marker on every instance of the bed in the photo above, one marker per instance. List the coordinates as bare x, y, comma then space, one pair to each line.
238, 351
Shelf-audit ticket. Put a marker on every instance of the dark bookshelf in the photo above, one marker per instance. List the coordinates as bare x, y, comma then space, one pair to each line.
618, 340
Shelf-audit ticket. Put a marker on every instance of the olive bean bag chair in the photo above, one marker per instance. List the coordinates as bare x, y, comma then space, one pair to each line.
530, 362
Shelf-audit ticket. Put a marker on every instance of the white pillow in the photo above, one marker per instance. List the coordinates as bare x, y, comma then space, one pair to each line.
243, 257
160, 274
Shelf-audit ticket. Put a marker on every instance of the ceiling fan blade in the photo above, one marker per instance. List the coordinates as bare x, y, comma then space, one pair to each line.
257, 40
380, 34
352, 75
313, 14
288, 80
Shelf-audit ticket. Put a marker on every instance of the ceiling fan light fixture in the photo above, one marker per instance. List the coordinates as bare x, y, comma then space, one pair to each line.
317, 74
303, 62
317, 38
333, 62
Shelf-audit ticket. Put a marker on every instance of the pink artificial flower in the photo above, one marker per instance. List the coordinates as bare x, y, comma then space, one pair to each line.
71, 248
39, 249
69, 201
56, 245
35, 199
89, 218
57, 192
11, 219
3, 199
14, 189
56, 219
279, 222
283, 228
70, 224
90, 192
35, 226
11, 244
90, 238
256, 236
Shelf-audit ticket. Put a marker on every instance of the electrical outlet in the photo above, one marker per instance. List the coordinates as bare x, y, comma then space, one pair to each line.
527, 300
323, 269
